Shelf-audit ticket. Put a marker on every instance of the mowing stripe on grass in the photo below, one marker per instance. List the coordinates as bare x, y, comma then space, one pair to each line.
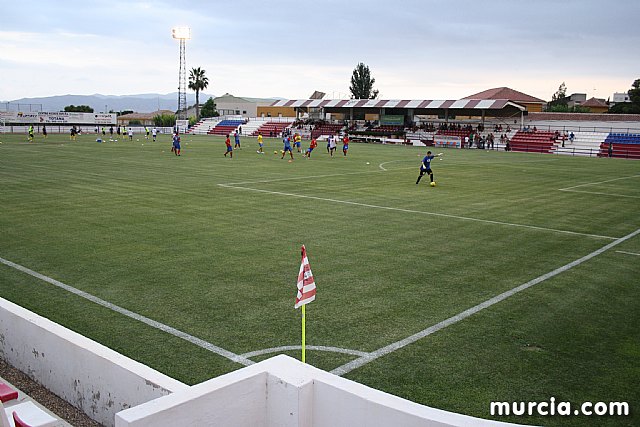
389, 208
350, 366
161, 326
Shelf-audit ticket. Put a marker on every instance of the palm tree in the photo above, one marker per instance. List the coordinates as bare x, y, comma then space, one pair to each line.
197, 82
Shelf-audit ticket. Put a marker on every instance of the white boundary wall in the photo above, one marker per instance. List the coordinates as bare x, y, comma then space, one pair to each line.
86, 374
284, 392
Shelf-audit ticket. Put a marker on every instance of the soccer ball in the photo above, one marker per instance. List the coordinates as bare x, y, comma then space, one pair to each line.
433, 184
275, 152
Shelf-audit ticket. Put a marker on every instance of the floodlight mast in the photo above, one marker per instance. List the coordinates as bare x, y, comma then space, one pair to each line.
182, 34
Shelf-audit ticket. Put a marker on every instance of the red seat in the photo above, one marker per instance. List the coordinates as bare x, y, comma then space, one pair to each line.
7, 393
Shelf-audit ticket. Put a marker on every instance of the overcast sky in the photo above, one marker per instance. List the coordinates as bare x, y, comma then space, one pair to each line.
281, 48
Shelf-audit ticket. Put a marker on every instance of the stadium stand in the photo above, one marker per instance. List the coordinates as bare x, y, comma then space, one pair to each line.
462, 133
271, 128
252, 125
583, 144
225, 127
536, 142
325, 129
204, 125
624, 145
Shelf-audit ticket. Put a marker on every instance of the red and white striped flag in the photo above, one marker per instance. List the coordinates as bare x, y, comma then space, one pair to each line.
306, 284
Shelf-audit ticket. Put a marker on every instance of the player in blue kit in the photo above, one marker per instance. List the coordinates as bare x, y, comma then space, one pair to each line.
287, 147
425, 167
176, 144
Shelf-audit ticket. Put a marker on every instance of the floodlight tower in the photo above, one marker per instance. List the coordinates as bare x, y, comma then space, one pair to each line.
182, 34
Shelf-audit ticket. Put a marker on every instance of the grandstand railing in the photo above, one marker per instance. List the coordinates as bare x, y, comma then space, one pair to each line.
603, 129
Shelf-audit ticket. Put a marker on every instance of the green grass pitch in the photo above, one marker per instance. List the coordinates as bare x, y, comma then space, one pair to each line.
211, 246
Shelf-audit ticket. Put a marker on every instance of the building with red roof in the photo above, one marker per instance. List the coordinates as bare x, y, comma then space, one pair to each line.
531, 103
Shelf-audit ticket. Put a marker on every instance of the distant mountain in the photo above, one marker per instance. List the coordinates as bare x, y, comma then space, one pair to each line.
142, 103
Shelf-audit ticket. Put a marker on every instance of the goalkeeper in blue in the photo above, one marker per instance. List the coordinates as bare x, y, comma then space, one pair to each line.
425, 167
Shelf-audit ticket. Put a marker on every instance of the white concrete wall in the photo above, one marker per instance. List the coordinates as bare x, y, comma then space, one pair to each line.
283, 392
86, 374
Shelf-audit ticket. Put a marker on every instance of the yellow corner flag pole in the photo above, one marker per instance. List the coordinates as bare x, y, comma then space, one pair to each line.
303, 334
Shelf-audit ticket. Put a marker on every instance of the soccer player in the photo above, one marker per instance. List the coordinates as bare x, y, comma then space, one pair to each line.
72, 132
328, 143
176, 144
425, 167
236, 136
44, 131
260, 143
229, 148
287, 147
297, 139
332, 145
345, 144
131, 134
154, 133
313, 145
30, 133
146, 132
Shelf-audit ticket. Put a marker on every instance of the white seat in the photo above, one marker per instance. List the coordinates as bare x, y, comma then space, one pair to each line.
29, 413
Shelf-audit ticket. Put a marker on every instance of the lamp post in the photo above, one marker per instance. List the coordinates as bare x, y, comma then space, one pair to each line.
182, 34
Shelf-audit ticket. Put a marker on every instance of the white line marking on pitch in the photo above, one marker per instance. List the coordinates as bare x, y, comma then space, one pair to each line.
348, 367
597, 183
288, 178
366, 205
161, 326
627, 253
600, 193
309, 347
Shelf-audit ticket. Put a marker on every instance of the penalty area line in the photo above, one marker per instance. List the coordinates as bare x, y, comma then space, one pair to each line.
389, 208
154, 324
361, 361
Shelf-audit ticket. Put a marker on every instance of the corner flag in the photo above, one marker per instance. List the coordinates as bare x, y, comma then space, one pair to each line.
306, 284
306, 294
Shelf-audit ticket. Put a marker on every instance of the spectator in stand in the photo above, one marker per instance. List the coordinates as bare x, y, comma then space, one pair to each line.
535, 129
571, 137
610, 149
508, 129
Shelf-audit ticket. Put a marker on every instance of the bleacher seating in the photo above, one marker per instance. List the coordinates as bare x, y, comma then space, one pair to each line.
326, 129
271, 129
386, 130
536, 142
225, 127
203, 126
583, 144
623, 138
462, 133
624, 145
